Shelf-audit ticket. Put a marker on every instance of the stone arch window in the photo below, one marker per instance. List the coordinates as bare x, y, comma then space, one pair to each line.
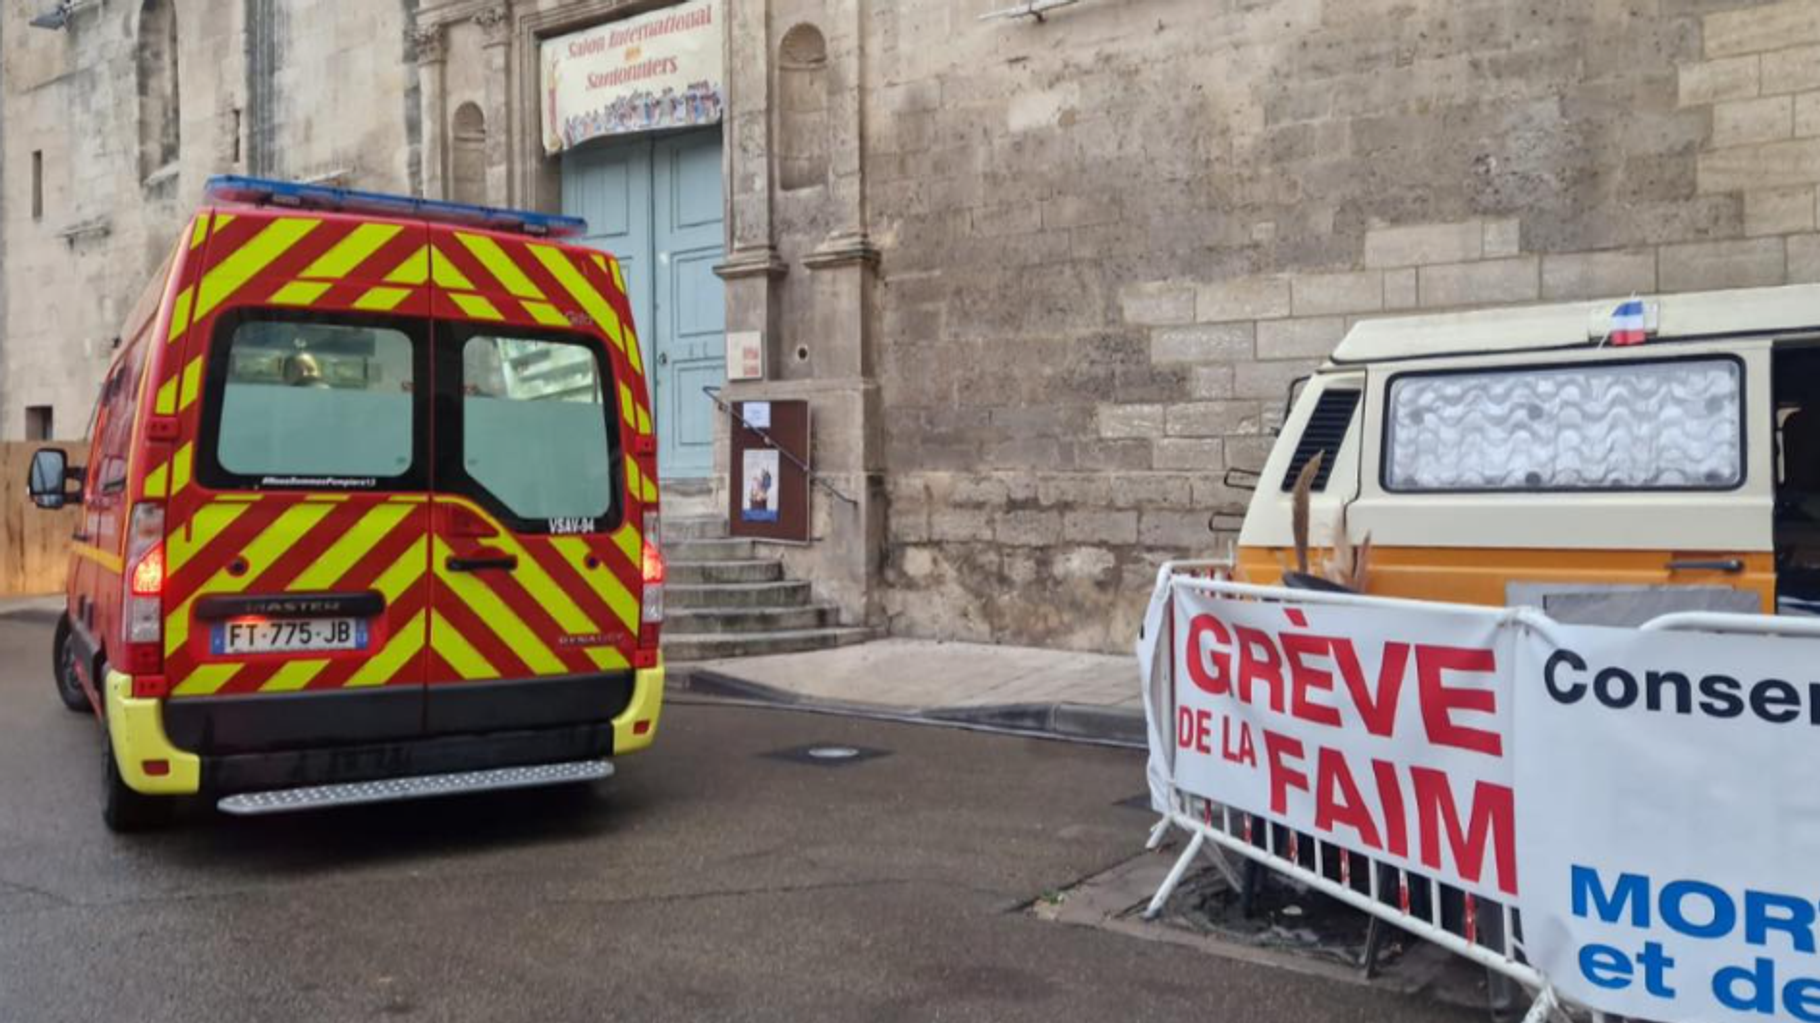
159, 113
468, 155
802, 103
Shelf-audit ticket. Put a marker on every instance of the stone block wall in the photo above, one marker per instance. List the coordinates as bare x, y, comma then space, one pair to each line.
333, 91
1109, 242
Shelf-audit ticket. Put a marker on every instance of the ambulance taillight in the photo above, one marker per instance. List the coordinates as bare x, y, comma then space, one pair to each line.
142, 606
651, 614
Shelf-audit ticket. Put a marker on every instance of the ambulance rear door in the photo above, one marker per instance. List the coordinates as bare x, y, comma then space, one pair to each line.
535, 544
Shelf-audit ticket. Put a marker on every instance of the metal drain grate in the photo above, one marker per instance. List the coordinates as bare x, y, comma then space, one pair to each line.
828, 754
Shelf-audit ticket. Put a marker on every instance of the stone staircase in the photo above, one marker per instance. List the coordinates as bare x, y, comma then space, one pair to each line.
723, 598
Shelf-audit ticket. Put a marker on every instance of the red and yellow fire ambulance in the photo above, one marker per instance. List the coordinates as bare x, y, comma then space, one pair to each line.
370, 510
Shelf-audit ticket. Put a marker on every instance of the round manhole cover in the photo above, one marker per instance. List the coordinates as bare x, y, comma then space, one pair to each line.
833, 752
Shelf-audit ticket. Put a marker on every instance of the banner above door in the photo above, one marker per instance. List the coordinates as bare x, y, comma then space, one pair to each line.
657, 71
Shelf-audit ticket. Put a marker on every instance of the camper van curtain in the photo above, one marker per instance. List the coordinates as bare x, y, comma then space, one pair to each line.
1666, 425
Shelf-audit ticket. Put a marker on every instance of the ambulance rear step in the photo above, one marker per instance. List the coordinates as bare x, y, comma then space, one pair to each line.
319, 797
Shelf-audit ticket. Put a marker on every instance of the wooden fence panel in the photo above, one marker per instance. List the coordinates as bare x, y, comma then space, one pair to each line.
34, 544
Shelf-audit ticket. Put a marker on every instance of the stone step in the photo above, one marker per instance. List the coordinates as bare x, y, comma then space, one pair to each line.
698, 573
710, 647
689, 498
709, 550
687, 622
681, 528
736, 595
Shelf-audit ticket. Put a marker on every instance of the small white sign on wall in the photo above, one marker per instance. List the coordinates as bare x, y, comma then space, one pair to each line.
745, 355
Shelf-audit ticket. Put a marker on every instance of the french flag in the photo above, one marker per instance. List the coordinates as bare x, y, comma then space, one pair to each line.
1628, 326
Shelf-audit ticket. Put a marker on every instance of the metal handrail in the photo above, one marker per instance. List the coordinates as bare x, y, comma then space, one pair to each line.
815, 479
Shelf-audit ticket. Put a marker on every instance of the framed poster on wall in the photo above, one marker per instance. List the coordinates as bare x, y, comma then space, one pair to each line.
768, 492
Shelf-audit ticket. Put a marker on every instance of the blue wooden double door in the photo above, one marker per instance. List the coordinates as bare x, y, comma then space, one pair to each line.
656, 204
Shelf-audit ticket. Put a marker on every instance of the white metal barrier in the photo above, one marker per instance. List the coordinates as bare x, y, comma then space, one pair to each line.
1487, 933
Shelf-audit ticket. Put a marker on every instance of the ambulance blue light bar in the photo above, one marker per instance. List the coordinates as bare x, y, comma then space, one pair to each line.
243, 191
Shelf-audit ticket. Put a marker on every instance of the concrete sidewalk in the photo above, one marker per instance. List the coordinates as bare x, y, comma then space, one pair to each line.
1061, 692
45, 608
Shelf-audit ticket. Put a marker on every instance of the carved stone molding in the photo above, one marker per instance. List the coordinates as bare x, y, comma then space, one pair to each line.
752, 262
842, 250
429, 43
496, 23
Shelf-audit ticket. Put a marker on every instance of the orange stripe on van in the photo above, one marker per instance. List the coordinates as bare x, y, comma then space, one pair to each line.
1476, 575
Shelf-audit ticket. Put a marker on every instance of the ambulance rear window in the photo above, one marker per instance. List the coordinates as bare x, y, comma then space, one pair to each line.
312, 403
536, 433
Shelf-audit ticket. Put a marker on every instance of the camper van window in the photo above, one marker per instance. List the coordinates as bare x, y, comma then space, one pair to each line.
1667, 425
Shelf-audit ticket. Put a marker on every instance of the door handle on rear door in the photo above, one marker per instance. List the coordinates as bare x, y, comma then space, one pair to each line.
1733, 565
505, 562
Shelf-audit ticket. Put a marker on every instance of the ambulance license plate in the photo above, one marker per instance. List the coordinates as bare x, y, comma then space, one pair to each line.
288, 635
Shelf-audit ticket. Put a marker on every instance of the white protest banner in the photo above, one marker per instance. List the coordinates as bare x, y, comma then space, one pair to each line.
1668, 820
1381, 729
660, 70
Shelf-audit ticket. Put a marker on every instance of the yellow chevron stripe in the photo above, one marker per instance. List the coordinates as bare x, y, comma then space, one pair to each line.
293, 676
350, 547
619, 279
414, 270
202, 528
634, 352
600, 260
602, 581
166, 402
180, 468
584, 294
447, 274
385, 665
300, 292
545, 313
476, 306
382, 299
351, 251
222, 220
453, 647
409, 567
192, 384
530, 574
106, 559
266, 548
489, 608
650, 490
180, 314
157, 480
635, 480
631, 544
231, 274
207, 679
500, 265
644, 420
198, 231
627, 407
607, 658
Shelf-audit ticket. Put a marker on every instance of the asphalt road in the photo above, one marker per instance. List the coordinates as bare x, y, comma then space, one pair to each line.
708, 881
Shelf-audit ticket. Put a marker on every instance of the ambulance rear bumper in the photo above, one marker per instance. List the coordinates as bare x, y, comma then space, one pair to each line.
284, 769
274, 741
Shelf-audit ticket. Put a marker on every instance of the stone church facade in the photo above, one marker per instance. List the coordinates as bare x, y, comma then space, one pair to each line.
1041, 282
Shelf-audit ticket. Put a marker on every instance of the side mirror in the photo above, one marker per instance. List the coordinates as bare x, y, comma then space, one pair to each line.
50, 477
